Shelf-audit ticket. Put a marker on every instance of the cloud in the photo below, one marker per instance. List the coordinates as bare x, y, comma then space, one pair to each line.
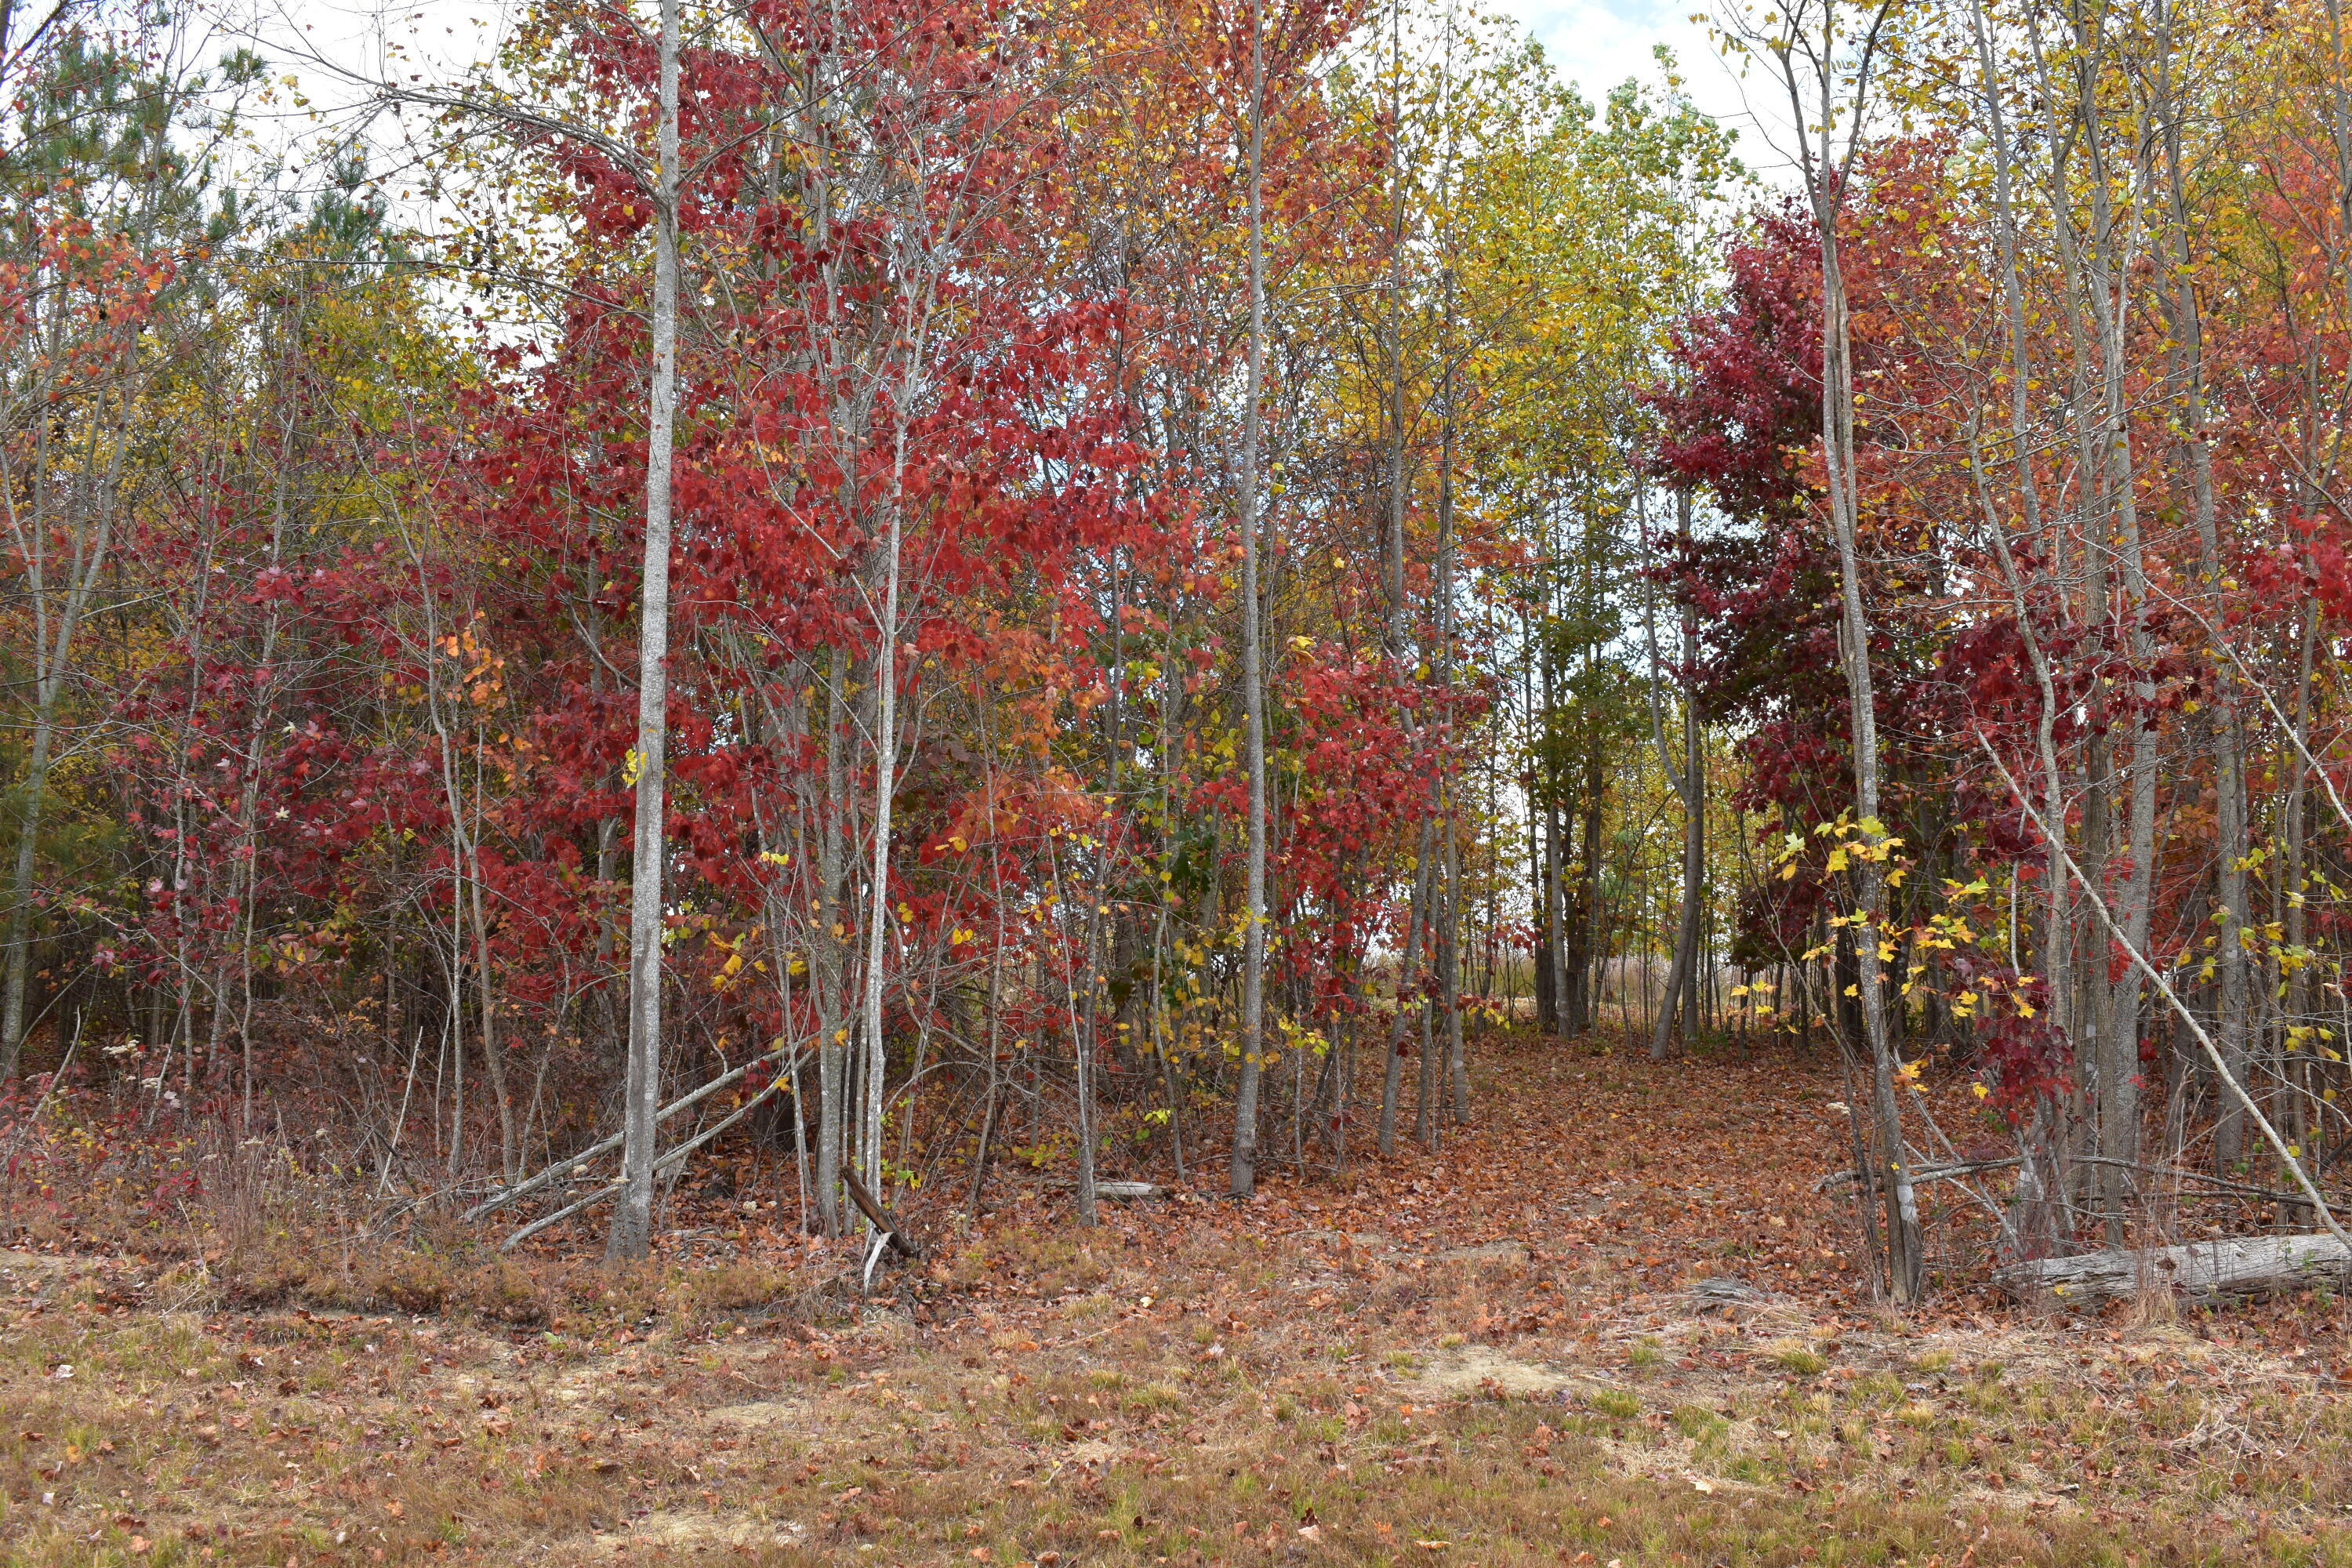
1598, 44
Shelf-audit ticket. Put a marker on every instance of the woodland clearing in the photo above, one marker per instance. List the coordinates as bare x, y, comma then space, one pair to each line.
1494, 1357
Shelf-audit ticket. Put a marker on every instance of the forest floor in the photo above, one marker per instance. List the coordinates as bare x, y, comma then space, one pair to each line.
1491, 1356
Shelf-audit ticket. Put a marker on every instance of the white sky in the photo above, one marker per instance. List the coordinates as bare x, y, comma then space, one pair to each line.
1596, 44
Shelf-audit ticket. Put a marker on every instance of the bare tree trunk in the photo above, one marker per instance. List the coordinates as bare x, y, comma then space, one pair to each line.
1244, 1156
1684, 782
1408, 986
53, 640
2118, 1043
633, 1213
1826, 68
1592, 946
1563, 1006
1449, 934
2225, 732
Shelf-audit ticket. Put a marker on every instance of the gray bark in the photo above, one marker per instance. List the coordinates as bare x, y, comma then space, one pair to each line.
1407, 987
1824, 70
1244, 1158
633, 1215
2225, 734
2234, 1266
53, 638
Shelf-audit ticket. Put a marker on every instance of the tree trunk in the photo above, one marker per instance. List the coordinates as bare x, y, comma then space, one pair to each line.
1244, 1157
1449, 933
1685, 784
1825, 187
632, 1214
829, 971
1408, 988
2225, 734
52, 660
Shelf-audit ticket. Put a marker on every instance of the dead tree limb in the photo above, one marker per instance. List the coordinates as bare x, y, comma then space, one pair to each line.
905, 1246
562, 1167
1837, 1181
670, 1161
2242, 1266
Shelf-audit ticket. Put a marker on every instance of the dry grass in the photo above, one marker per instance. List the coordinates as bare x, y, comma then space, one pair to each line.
1187, 1385
1272, 1404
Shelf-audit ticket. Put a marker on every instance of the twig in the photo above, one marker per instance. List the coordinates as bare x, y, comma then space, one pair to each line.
1837, 1179
32, 1116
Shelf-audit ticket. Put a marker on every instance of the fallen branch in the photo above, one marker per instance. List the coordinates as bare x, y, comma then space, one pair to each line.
564, 1167
884, 1221
1837, 1181
2204, 1271
675, 1157
1115, 1192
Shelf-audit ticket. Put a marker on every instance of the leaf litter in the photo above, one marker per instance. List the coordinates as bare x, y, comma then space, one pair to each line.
1612, 1320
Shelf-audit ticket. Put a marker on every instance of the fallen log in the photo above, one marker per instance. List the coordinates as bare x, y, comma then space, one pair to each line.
1113, 1192
1130, 1192
886, 1224
2241, 1266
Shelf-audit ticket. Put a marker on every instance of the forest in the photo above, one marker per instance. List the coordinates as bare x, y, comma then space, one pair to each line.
773, 642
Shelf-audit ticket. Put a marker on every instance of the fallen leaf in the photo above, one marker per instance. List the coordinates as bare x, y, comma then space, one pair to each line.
1310, 1532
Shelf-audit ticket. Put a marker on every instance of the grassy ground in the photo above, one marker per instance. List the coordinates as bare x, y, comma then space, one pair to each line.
1434, 1364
